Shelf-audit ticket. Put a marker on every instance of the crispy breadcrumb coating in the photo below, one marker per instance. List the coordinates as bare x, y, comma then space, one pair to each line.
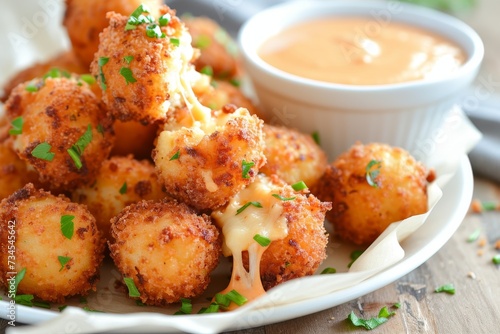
202, 166
56, 266
293, 156
143, 77
58, 113
371, 186
166, 248
86, 19
120, 182
14, 172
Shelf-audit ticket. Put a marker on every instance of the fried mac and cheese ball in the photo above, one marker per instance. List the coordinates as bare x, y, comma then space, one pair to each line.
120, 182
166, 248
204, 165
56, 242
218, 51
66, 134
85, 19
371, 186
144, 71
293, 156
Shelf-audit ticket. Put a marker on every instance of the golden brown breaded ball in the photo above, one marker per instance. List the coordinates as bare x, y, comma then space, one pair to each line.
217, 49
222, 93
371, 186
65, 61
301, 249
120, 182
66, 134
166, 248
85, 19
14, 173
205, 166
56, 241
143, 77
293, 156
134, 138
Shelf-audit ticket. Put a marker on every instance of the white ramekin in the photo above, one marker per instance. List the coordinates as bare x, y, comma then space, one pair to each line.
407, 115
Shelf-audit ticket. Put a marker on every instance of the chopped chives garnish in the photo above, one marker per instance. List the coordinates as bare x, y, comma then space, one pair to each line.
139, 10
328, 270
315, 136
154, 31
222, 300
41, 304
62, 307
496, 259
299, 186
448, 288
88, 309
132, 289
246, 205
164, 20
186, 307
175, 41
42, 151
474, 235
123, 188
128, 75
67, 226
63, 260
371, 174
489, 206
26, 300
128, 59
138, 302
175, 156
212, 308
396, 305
207, 70
202, 42
89, 79
101, 62
246, 166
284, 198
236, 297
76, 151
100, 129
17, 126
57, 73
262, 240
31, 87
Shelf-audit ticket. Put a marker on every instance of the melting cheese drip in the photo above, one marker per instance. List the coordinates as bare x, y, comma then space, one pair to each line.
239, 231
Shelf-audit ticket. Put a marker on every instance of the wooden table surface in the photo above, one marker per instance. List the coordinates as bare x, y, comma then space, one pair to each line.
475, 307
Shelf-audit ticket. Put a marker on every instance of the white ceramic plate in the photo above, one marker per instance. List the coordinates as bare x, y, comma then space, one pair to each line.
122, 313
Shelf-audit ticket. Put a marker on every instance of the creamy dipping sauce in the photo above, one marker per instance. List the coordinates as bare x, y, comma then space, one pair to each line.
360, 51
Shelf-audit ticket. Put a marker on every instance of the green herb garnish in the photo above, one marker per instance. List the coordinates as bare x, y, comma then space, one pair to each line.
371, 323
175, 156
448, 288
315, 136
128, 75
236, 297
246, 205
212, 308
175, 41
67, 226
328, 270
299, 186
284, 198
235, 82
186, 307
76, 151
19, 277
123, 188
101, 62
474, 235
31, 87
63, 260
354, 256
164, 20
496, 259
89, 79
262, 240
42, 151
17, 126
207, 70
132, 289
128, 59
371, 174
489, 206
246, 166
154, 31
62, 307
